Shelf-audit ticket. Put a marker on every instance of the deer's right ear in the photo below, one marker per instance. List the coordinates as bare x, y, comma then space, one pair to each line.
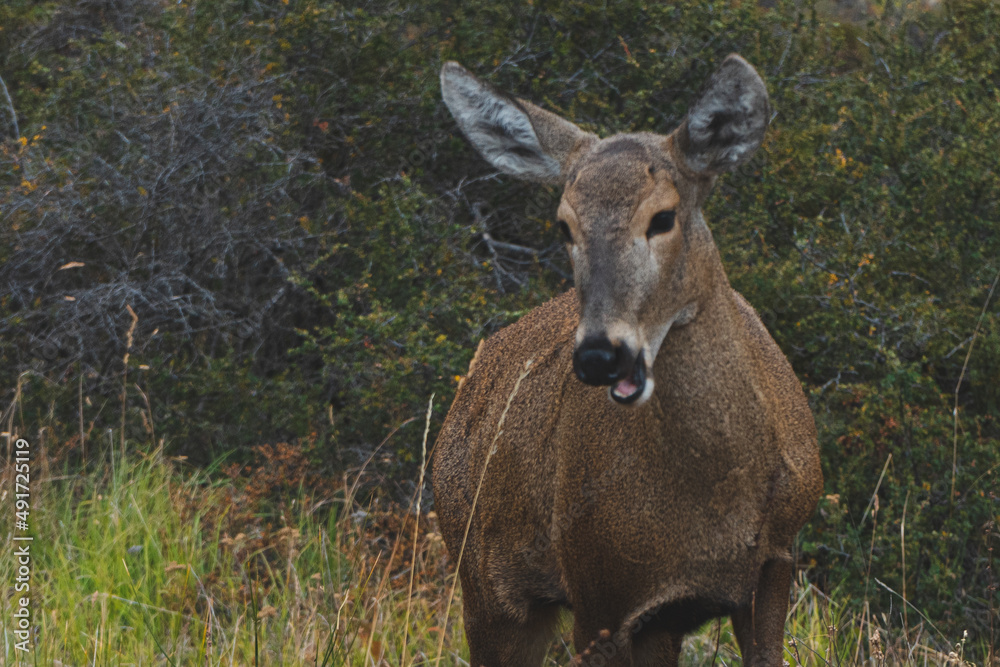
515, 136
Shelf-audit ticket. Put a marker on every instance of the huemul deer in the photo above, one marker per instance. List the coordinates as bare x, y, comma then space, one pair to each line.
650, 467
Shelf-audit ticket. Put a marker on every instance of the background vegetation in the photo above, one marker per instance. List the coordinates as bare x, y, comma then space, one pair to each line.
225, 225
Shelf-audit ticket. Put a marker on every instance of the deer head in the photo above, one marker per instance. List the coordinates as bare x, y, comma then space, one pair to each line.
643, 257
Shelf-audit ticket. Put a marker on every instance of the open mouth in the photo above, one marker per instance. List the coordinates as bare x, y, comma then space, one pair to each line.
630, 388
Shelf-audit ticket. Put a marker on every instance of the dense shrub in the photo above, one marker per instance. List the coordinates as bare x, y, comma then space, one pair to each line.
311, 250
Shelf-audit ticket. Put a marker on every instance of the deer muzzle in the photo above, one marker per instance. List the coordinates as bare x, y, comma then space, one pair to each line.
599, 362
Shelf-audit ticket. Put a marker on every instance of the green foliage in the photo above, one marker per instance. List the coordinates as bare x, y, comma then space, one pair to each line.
405, 309
326, 247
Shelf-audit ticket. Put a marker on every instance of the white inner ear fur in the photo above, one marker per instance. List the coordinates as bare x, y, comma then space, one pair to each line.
496, 126
742, 136
727, 123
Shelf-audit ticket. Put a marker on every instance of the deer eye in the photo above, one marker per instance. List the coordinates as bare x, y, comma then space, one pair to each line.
661, 222
564, 228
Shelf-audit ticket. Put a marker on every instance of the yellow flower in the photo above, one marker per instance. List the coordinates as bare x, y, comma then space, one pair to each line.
841, 159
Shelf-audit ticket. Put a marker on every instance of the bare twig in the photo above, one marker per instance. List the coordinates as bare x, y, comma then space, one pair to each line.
128, 350
472, 509
493, 243
10, 106
416, 525
958, 385
902, 548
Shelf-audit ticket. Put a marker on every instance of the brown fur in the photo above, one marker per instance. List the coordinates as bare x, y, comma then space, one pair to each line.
645, 520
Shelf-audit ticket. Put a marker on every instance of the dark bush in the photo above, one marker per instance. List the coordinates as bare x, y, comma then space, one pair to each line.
311, 250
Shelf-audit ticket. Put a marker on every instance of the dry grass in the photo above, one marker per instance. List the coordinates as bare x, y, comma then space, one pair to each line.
144, 560
149, 563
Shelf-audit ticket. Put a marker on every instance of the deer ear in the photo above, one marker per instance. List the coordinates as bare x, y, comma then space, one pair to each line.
727, 123
515, 136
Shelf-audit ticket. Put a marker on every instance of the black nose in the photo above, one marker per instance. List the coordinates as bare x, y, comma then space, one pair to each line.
596, 361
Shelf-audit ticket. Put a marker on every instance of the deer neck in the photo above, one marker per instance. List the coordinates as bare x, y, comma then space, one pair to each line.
709, 351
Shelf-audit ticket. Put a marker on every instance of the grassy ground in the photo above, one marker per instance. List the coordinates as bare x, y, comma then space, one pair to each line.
143, 561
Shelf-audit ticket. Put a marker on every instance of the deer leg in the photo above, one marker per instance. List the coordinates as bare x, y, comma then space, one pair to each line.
496, 639
657, 648
760, 624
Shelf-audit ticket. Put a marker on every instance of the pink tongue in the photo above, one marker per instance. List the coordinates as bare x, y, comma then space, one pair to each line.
626, 387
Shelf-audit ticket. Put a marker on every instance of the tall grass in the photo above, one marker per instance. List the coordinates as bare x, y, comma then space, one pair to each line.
140, 559
144, 561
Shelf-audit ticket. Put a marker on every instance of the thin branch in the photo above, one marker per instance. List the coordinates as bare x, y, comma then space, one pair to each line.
513, 247
472, 510
10, 105
958, 385
416, 524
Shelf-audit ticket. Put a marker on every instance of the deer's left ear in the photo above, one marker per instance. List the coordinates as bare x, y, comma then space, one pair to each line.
514, 136
727, 123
